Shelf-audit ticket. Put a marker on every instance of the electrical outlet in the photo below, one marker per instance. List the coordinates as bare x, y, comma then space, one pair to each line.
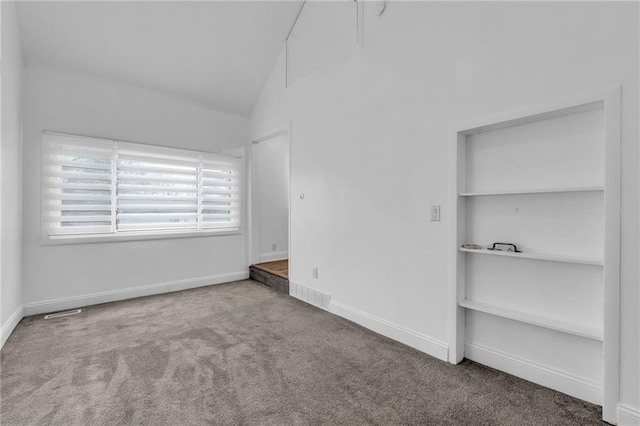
434, 214
314, 272
274, 246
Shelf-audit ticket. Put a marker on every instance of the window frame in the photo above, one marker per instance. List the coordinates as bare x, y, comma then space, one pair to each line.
140, 235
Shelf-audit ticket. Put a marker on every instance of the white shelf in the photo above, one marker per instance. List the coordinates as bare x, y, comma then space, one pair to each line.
537, 256
533, 191
537, 320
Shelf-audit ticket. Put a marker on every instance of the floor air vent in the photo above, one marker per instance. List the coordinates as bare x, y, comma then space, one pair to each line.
310, 295
63, 314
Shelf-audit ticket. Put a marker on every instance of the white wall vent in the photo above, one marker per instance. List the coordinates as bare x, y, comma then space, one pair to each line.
310, 295
63, 314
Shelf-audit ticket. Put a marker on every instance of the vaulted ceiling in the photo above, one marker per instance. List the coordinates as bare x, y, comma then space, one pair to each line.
216, 53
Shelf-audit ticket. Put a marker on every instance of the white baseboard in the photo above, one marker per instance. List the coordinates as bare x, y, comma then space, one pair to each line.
129, 293
10, 325
273, 255
433, 347
628, 416
545, 376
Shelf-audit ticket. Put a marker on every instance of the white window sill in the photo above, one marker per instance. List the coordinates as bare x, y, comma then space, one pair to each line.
134, 236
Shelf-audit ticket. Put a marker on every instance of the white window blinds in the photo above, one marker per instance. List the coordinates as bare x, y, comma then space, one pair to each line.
96, 186
78, 186
220, 193
157, 188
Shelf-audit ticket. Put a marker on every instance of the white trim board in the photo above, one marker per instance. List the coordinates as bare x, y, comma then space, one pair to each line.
628, 416
426, 344
65, 303
275, 255
536, 373
10, 325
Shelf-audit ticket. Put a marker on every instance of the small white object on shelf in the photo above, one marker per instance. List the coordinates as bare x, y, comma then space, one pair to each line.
471, 247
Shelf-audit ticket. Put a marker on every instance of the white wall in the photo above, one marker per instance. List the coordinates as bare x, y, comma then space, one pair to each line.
68, 103
370, 147
271, 170
11, 153
308, 52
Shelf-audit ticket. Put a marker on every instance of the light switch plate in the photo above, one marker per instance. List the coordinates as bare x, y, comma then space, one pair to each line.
434, 214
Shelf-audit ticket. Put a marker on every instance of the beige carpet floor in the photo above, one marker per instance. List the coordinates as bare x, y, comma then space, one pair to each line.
242, 354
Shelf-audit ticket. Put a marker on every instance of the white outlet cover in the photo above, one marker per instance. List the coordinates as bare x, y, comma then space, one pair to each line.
434, 213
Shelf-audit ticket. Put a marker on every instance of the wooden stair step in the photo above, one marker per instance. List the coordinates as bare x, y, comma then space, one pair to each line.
273, 274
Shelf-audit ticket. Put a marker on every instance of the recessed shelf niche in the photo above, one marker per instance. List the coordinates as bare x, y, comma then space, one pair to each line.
545, 178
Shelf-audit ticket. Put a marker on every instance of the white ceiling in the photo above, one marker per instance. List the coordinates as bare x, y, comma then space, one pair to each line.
218, 53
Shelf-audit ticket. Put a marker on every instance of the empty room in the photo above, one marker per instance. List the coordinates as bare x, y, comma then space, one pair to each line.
320, 212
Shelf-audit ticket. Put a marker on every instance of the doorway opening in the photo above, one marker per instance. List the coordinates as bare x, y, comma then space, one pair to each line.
270, 205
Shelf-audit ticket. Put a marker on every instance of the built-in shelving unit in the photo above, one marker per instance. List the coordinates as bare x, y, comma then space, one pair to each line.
546, 179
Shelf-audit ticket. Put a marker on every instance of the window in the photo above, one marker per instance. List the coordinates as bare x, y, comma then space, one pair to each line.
102, 188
